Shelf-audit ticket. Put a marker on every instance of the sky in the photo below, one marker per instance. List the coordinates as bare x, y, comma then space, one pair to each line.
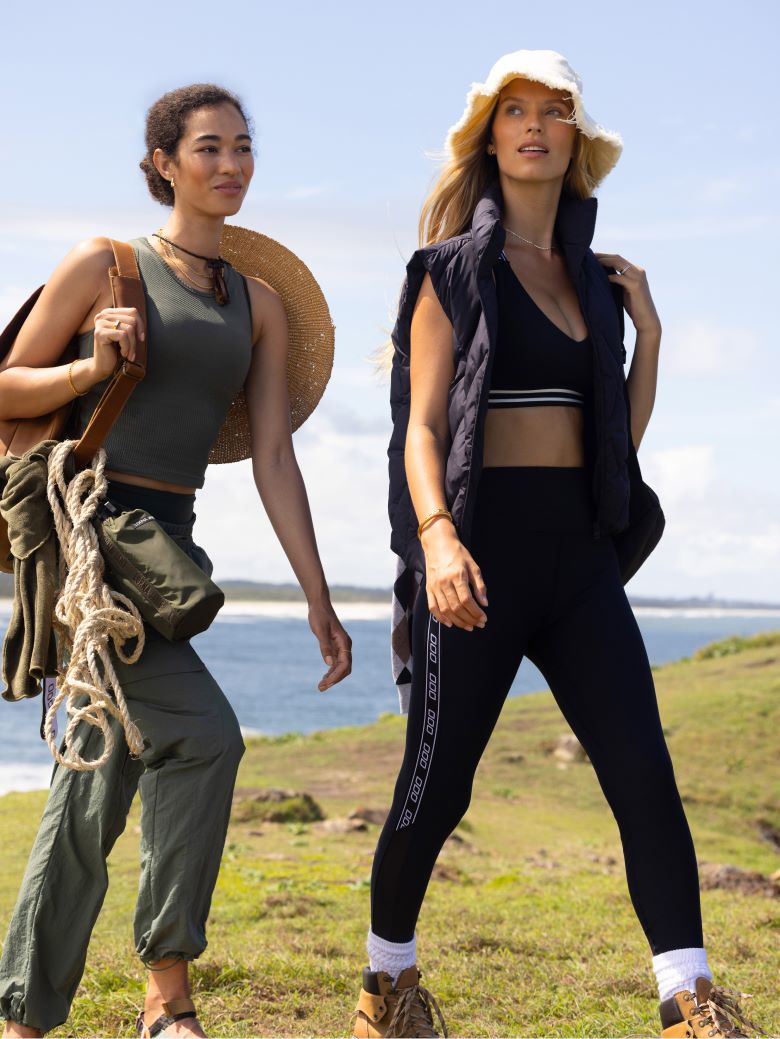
351, 103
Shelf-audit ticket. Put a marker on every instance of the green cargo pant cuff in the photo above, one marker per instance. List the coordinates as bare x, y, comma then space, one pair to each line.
186, 777
13, 1009
150, 965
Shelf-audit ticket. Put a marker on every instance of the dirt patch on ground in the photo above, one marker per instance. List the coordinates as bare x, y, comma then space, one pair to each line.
723, 877
768, 832
375, 816
340, 825
607, 864
764, 662
275, 805
442, 871
484, 943
287, 906
541, 859
624, 985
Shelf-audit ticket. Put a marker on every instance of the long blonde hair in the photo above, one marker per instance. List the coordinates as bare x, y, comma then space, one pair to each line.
449, 207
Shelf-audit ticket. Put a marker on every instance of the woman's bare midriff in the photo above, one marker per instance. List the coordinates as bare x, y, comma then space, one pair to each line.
145, 481
534, 436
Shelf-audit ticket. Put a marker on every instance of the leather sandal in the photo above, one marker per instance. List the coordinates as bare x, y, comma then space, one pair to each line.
174, 1011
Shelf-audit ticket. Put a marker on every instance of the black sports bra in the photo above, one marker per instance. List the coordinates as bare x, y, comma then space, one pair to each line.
536, 364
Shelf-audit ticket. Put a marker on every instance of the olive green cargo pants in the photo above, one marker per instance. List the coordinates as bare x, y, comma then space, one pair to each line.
185, 776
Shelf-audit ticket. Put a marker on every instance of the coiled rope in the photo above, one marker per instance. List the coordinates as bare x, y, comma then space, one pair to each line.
87, 615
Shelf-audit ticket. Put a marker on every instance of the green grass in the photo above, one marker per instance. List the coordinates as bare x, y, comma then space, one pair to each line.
527, 928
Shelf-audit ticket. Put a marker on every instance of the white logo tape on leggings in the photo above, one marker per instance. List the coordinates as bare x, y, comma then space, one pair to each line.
430, 725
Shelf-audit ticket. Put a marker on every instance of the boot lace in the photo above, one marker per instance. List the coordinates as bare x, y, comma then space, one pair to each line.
413, 1017
723, 1012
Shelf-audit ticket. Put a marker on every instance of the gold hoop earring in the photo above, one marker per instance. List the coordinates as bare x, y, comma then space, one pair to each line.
172, 184
491, 150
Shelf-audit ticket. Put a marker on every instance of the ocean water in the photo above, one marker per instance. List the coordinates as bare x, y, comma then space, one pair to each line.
267, 661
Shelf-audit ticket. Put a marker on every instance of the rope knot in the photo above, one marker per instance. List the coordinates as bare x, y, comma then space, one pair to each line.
89, 617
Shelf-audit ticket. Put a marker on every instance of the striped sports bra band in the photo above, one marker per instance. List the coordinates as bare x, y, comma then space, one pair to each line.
555, 395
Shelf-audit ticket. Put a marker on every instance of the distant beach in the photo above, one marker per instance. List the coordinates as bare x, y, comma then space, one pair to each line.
265, 657
380, 611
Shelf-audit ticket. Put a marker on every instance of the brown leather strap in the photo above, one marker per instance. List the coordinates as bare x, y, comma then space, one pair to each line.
179, 1007
127, 291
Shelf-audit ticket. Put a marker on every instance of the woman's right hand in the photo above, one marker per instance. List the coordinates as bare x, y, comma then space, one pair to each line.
450, 576
117, 330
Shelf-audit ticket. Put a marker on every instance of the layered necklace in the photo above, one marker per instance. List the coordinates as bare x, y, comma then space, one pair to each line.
211, 280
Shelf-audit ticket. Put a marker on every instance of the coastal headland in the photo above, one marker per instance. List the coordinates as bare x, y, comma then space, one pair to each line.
528, 928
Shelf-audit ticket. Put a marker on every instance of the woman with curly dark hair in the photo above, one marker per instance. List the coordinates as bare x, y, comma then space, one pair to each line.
213, 333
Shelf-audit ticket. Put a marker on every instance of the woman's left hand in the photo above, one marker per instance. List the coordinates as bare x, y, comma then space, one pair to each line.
636, 292
335, 644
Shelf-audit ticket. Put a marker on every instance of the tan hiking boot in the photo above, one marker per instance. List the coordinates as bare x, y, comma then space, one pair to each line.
709, 1011
400, 1011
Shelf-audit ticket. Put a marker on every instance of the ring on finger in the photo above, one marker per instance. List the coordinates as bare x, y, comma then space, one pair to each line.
626, 268
118, 325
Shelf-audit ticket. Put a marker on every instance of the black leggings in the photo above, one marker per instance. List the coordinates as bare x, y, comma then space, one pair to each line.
554, 595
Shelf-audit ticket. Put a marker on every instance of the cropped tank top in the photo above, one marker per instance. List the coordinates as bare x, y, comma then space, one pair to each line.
536, 364
198, 359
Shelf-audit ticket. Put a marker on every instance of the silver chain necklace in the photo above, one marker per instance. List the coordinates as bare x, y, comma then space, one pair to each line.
544, 248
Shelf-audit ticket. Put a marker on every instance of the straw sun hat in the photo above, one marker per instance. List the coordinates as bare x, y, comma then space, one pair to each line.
310, 357
542, 66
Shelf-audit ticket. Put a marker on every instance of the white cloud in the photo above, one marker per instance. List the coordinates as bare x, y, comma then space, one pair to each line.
345, 471
352, 250
701, 348
680, 475
716, 539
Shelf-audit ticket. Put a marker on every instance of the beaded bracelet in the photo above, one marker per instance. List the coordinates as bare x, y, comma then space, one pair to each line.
441, 511
76, 393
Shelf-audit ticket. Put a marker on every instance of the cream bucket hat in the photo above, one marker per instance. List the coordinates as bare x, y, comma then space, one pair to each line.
552, 69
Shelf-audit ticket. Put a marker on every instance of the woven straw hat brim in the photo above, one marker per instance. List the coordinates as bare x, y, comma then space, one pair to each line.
311, 333
542, 66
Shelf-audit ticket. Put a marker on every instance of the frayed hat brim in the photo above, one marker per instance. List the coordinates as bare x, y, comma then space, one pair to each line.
552, 69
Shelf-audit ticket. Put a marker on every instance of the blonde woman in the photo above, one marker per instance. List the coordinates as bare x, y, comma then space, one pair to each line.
512, 459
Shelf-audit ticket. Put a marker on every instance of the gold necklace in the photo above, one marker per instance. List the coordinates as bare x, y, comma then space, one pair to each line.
206, 282
183, 263
544, 248
215, 265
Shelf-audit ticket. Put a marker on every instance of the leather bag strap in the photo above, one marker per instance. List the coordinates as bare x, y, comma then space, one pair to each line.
127, 291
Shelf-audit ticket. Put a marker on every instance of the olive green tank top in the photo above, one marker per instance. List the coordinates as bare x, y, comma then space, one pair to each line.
198, 358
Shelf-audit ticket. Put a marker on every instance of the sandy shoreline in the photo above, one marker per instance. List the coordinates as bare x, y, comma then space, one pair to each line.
381, 611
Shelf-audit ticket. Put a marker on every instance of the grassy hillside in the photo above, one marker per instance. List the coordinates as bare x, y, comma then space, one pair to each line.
527, 928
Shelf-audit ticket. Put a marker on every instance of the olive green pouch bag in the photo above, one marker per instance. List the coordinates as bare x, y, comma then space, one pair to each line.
143, 562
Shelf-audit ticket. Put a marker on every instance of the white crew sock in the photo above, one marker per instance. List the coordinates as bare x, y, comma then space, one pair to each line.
390, 957
678, 969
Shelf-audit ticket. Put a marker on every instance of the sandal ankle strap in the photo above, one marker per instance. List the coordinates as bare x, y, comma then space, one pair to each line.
178, 1009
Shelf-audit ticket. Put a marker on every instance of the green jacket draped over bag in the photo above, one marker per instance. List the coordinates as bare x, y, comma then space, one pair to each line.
29, 648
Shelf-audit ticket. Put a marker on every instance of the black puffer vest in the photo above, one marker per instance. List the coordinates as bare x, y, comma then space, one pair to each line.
461, 272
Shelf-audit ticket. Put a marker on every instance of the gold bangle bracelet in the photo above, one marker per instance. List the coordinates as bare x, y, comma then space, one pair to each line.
441, 511
76, 393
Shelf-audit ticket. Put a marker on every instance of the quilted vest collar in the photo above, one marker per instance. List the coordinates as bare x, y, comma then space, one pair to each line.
575, 224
